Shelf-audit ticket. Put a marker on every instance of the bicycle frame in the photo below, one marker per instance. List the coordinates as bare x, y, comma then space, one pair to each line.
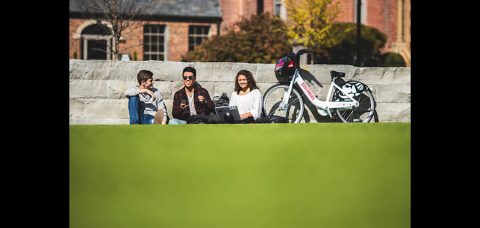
326, 105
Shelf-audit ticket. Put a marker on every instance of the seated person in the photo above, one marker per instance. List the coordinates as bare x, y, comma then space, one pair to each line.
192, 103
145, 104
246, 97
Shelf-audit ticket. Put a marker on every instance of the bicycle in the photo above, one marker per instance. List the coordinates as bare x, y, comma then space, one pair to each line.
351, 101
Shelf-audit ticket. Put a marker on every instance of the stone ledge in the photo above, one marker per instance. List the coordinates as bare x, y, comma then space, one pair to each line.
97, 86
226, 71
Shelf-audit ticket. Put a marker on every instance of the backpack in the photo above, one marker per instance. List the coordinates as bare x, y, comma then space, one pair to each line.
221, 100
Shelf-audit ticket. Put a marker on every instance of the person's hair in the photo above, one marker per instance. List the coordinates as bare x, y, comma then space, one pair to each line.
250, 81
144, 75
190, 69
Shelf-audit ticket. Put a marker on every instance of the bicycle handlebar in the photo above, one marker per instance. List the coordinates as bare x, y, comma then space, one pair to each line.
297, 55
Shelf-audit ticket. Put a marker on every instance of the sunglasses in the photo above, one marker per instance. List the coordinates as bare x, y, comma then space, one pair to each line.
188, 77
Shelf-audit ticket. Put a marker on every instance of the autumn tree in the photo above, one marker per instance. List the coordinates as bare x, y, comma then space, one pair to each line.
259, 39
369, 49
310, 22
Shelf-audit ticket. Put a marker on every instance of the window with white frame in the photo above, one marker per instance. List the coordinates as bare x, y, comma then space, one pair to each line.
196, 35
96, 42
277, 7
154, 42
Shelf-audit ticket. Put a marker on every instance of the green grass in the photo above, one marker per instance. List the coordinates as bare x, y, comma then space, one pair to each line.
265, 175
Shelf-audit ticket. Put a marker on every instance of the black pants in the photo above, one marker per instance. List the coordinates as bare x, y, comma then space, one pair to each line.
198, 119
247, 120
219, 119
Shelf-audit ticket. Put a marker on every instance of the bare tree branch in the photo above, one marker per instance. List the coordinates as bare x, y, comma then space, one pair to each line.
119, 14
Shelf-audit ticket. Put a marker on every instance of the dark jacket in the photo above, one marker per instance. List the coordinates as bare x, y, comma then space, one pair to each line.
204, 108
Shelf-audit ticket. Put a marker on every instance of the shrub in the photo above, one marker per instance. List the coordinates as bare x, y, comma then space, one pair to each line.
342, 52
392, 59
260, 39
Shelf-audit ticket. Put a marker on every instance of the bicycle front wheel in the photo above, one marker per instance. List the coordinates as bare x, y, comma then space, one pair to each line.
273, 98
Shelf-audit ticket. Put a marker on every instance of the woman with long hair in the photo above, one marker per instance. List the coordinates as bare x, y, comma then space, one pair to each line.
247, 97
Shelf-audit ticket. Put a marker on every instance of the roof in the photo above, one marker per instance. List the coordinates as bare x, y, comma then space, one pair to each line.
160, 8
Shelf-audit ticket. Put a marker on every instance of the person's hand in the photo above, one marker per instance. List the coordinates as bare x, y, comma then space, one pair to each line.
149, 92
244, 116
183, 104
201, 98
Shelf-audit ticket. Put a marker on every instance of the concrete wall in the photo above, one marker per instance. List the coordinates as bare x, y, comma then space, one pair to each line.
97, 86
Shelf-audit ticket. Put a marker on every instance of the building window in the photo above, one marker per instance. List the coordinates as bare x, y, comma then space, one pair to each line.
196, 34
259, 7
277, 7
154, 42
96, 42
363, 12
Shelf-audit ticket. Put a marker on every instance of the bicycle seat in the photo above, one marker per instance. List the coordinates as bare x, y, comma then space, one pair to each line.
337, 74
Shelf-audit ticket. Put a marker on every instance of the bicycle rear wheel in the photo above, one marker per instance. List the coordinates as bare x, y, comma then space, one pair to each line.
273, 97
363, 113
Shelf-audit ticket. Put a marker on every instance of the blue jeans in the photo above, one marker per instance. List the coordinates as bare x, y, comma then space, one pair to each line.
147, 119
174, 121
135, 110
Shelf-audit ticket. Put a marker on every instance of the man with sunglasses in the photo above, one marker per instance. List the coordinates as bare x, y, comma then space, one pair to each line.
192, 103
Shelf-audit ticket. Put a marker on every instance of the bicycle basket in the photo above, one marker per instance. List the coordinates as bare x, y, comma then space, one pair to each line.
284, 69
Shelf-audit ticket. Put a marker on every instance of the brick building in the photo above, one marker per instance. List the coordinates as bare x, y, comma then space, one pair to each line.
168, 29
163, 29
392, 17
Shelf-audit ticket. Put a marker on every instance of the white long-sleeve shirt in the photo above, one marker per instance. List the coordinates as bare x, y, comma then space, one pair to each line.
151, 106
251, 102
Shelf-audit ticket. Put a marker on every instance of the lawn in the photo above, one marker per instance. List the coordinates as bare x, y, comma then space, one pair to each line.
264, 175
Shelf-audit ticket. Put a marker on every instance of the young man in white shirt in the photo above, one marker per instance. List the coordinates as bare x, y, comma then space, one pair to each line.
145, 103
